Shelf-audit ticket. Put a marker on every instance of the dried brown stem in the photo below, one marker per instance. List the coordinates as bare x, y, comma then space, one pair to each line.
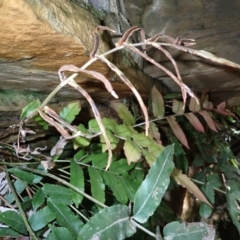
129, 84
184, 88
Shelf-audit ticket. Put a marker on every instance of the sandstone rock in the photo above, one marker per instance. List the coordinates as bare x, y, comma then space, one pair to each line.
37, 38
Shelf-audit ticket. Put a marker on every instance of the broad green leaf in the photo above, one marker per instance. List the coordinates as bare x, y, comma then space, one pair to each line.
107, 123
120, 166
30, 108
233, 196
132, 151
81, 141
24, 175
97, 184
77, 180
41, 218
59, 233
38, 199
150, 158
58, 194
177, 130
109, 223
142, 140
113, 140
157, 103
112, 181
186, 182
65, 217
123, 112
150, 192
8, 232
70, 111
79, 155
124, 130
208, 189
188, 231
13, 220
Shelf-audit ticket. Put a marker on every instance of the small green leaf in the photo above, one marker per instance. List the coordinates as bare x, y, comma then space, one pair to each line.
154, 132
113, 140
13, 220
188, 231
109, 123
120, 166
41, 218
124, 130
19, 185
59, 233
208, 189
117, 189
70, 111
65, 217
97, 184
150, 193
77, 180
123, 112
157, 103
93, 125
79, 155
99, 160
142, 140
38, 199
81, 141
153, 152
30, 108
24, 175
38, 119
58, 194
132, 151
178, 107
109, 223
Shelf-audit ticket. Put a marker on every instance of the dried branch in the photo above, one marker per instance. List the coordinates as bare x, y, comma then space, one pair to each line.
129, 84
96, 113
97, 40
184, 88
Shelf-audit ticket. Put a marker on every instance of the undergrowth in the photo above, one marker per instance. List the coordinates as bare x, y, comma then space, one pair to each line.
119, 179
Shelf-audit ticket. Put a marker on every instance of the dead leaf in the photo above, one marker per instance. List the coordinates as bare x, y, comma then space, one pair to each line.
207, 117
177, 130
195, 122
185, 181
158, 107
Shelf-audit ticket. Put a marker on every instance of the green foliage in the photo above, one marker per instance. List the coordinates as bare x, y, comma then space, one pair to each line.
69, 112
151, 191
121, 169
29, 109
